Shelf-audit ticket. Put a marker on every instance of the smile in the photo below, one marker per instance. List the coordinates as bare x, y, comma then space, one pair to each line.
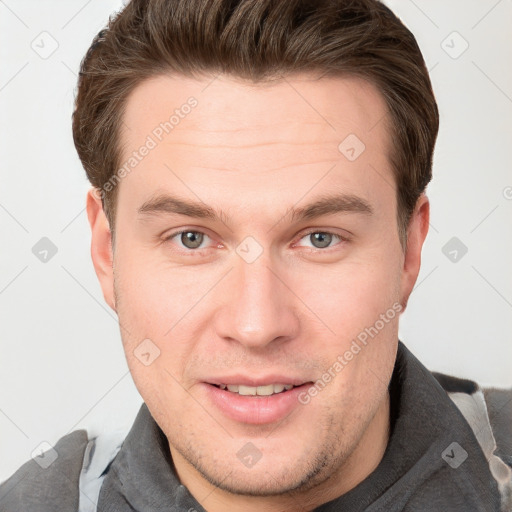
267, 390
266, 403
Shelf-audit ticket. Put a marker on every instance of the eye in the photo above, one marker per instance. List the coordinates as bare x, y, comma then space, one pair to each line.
322, 239
189, 239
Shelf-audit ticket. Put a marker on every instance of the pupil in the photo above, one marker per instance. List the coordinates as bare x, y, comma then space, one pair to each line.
322, 239
191, 239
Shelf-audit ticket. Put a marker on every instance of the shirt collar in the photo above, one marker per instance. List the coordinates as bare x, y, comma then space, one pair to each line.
424, 422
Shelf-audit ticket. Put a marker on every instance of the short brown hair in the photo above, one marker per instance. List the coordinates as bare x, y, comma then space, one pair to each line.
257, 40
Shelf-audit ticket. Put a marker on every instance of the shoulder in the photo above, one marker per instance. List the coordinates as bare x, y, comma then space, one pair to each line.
488, 411
499, 408
48, 482
483, 405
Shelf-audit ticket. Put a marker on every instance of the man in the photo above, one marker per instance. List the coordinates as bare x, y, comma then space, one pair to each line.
258, 212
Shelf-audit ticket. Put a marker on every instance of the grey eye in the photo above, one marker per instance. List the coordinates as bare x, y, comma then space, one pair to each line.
321, 240
191, 239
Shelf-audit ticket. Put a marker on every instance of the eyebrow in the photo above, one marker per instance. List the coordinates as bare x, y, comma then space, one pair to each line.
325, 205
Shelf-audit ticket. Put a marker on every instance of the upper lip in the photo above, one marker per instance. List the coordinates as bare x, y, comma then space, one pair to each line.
244, 380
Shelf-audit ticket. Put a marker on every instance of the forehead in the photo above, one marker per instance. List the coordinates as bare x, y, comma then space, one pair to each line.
305, 106
227, 135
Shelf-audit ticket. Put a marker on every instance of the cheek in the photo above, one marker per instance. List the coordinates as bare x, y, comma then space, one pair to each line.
155, 357
153, 296
144, 304
358, 308
166, 305
352, 294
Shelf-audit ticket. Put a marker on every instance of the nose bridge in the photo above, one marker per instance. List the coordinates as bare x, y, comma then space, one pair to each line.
258, 308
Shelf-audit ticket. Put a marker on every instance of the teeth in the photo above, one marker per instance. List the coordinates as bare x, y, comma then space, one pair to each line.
267, 390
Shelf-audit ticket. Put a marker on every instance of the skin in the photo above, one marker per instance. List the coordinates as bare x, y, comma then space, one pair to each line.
255, 151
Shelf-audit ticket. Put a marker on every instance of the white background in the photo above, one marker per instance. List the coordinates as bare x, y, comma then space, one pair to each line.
62, 366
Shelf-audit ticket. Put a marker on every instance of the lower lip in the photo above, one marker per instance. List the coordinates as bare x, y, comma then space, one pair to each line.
255, 409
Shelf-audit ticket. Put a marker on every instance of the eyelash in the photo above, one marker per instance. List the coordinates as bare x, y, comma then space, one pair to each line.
192, 252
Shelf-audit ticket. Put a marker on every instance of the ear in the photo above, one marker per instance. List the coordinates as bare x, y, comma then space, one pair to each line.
101, 246
416, 234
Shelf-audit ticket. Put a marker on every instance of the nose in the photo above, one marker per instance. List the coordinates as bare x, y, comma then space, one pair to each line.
257, 306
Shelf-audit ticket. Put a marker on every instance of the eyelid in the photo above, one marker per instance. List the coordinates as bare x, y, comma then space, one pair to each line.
173, 234
343, 238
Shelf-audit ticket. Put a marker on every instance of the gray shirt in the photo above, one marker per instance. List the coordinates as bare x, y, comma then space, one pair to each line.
421, 469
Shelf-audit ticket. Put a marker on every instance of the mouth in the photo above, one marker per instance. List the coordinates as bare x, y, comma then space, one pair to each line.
262, 404
265, 390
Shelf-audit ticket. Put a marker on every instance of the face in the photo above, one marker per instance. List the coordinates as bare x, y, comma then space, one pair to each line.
257, 247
